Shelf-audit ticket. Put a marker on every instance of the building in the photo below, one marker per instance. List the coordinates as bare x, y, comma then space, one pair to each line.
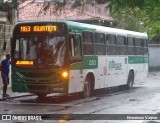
40, 10
5, 33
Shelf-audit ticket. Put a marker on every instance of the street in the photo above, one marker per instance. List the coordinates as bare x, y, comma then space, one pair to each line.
143, 98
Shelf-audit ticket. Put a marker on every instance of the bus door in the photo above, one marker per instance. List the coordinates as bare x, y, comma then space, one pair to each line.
76, 71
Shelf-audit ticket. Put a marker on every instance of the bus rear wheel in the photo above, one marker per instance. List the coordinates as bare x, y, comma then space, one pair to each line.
87, 88
130, 81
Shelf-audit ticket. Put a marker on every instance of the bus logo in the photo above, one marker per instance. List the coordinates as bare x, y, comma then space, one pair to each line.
114, 65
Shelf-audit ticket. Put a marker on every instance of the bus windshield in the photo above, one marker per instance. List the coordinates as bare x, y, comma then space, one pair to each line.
43, 51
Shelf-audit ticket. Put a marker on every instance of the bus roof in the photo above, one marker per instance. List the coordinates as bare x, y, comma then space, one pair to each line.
98, 28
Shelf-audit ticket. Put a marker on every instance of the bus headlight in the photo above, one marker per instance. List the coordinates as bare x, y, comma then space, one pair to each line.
65, 74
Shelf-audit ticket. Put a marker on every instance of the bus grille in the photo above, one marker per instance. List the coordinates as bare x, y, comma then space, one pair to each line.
35, 75
37, 87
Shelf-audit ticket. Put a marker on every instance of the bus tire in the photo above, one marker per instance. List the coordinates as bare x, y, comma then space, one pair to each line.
87, 87
130, 80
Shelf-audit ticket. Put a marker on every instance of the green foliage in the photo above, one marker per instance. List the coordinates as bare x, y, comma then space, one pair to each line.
137, 15
127, 19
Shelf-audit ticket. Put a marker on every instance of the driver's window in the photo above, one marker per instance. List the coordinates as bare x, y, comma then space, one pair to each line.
16, 52
75, 48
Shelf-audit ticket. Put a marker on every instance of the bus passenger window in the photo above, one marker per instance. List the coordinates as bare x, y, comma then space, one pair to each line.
145, 46
88, 36
121, 45
139, 48
131, 46
111, 44
88, 47
99, 44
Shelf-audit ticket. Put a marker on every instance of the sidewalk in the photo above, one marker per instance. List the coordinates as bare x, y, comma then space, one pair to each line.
13, 94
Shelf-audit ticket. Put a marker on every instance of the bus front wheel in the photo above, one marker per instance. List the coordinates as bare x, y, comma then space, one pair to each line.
130, 80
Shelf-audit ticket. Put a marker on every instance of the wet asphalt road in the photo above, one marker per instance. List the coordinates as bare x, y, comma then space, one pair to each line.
143, 98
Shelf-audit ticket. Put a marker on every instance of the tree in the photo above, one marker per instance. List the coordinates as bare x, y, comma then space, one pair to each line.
136, 15
144, 17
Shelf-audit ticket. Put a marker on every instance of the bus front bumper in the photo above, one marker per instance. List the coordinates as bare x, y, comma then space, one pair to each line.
40, 88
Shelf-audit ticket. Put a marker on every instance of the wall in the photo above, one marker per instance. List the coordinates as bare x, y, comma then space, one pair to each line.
154, 57
5, 35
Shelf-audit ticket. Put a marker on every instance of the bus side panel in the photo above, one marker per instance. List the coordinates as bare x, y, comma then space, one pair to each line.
76, 81
91, 64
116, 70
139, 65
100, 73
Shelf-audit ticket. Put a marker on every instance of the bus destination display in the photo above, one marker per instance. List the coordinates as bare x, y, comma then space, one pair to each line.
38, 28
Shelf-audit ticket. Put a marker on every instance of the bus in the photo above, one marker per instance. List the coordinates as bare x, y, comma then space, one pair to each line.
71, 57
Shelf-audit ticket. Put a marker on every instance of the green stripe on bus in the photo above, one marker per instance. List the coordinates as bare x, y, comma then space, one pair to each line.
137, 59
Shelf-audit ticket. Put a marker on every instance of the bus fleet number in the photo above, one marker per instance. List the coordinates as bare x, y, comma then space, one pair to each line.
92, 62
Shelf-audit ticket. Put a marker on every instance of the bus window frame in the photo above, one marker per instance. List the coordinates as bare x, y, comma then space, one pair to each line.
91, 43
119, 45
131, 46
139, 46
99, 43
145, 46
111, 44
74, 59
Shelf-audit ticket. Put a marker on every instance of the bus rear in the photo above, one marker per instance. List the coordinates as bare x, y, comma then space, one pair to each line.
39, 58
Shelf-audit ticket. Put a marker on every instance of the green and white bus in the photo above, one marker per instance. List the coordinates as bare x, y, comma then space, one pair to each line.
68, 57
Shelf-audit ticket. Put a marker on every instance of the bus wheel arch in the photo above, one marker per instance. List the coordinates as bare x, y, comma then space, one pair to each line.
130, 80
89, 84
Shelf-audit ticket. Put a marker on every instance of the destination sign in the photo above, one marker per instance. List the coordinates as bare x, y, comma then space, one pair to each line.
39, 28
50, 28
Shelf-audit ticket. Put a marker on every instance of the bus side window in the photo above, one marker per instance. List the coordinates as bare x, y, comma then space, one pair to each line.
121, 45
130, 46
139, 48
99, 44
111, 44
145, 47
88, 46
75, 48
